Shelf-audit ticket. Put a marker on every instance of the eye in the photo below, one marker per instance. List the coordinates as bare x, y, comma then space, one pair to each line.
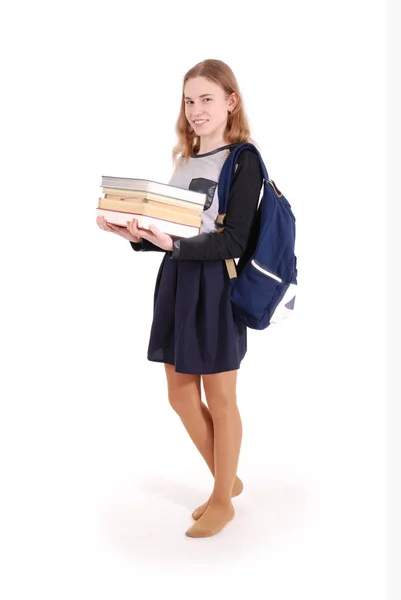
189, 101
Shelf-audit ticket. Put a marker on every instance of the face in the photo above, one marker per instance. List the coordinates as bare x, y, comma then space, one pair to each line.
206, 107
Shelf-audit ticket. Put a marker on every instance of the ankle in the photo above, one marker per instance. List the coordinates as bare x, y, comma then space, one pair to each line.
220, 502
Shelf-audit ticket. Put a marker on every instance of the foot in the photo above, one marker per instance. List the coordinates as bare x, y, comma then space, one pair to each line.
215, 517
237, 489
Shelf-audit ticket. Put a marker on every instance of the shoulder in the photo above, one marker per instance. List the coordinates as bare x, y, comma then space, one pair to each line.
248, 156
248, 165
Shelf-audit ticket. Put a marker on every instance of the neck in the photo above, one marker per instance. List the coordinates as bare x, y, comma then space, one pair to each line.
210, 143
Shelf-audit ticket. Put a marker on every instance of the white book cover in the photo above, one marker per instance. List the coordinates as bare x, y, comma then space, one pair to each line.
173, 229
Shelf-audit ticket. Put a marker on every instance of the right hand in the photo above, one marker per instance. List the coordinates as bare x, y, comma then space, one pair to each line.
119, 230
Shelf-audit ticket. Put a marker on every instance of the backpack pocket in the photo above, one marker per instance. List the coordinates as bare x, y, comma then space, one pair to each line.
252, 294
264, 271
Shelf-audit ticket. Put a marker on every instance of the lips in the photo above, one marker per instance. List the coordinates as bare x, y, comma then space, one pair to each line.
200, 125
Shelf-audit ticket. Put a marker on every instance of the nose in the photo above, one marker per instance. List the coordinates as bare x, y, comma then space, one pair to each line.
197, 111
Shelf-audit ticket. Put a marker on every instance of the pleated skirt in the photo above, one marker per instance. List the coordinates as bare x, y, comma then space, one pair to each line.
193, 326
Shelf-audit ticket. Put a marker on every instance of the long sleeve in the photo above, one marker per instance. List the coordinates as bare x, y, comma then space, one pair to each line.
145, 246
241, 209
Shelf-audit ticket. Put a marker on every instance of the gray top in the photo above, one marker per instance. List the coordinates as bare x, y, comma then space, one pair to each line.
201, 174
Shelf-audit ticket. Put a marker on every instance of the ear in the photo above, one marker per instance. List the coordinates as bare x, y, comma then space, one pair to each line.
232, 101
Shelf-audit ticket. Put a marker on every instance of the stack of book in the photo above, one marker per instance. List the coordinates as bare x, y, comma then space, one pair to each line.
174, 210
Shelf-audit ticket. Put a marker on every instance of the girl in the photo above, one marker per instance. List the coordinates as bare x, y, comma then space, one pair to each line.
193, 331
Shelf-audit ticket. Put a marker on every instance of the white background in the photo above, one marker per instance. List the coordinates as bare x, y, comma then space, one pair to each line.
99, 476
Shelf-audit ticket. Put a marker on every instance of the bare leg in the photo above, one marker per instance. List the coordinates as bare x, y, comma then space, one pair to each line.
184, 392
221, 397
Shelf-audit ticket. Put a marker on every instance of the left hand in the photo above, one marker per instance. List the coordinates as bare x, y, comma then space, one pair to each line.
153, 234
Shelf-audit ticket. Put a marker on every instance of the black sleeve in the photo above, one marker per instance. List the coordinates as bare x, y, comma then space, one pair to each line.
241, 209
145, 246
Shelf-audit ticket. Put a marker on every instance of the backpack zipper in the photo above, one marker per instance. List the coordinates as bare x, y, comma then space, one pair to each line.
255, 264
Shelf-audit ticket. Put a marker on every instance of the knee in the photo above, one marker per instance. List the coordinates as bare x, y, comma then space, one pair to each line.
176, 401
183, 403
221, 406
184, 390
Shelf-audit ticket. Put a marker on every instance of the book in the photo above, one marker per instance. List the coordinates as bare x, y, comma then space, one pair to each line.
146, 185
177, 229
155, 209
171, 204
174, 210
122, 193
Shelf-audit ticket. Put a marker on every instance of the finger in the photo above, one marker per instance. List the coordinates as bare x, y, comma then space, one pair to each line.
113, 227
99, 222
135, 226
142, 234
135, 230
146, 230
131, 229
105, 225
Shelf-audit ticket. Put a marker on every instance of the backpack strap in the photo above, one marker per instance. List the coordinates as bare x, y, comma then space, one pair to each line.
228, 170
231, 267
230, 262
226, 176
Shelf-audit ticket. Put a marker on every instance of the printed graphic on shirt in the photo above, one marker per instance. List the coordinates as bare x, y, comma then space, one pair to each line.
204, 186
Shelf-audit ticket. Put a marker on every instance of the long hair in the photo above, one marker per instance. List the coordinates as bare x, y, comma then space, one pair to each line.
237, 128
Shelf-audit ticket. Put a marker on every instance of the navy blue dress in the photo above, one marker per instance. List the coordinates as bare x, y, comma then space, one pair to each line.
193, 326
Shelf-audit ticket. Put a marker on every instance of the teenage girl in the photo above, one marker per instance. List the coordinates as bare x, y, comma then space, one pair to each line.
193, 331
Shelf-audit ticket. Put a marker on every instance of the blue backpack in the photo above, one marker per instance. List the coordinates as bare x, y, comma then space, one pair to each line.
264, 283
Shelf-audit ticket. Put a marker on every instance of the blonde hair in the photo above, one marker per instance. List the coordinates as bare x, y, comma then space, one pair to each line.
237, 129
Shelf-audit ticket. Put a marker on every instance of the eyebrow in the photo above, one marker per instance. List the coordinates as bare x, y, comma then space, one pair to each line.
203, 95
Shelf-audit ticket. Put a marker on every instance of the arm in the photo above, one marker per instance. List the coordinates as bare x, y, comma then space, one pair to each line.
145, 246
241, 209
